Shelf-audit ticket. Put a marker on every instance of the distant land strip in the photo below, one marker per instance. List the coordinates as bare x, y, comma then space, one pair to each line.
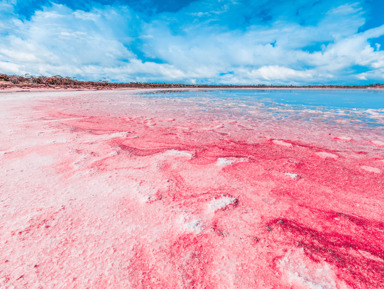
59, 82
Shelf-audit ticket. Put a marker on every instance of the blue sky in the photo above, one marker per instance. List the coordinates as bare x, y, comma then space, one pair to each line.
202, 41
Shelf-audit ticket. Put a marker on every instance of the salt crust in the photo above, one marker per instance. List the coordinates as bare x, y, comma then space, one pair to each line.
223, 162
282, 143
292, 175
377, 143
371, 169
302, 272
325, 155
177, 153
221, 203
343, 139
190, 223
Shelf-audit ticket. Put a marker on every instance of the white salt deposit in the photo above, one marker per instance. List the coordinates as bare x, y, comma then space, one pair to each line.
292, 175
212, 127
223, 162
102, 137
371, 169
377, 143
325, 155
4, 152
177, 153
221, 203
343, 138
119, 134
190, 224
295, 267
282, 143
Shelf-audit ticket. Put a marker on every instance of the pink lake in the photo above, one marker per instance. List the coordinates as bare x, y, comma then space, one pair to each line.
118, 189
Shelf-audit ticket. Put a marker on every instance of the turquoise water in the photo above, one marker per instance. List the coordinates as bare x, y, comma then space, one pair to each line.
333, 98
353, 105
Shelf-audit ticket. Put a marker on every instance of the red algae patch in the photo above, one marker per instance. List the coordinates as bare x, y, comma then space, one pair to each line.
115, 190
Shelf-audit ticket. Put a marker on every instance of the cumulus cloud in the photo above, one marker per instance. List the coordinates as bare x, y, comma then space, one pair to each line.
206, 41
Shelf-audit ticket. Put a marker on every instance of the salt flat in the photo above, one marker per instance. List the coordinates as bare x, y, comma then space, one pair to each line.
119, 190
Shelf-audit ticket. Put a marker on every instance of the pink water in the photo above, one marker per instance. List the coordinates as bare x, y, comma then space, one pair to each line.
113, 190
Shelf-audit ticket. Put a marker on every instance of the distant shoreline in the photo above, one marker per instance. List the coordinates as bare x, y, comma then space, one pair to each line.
7, 89
12, 83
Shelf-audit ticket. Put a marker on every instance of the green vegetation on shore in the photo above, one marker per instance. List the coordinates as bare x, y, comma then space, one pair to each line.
57, 81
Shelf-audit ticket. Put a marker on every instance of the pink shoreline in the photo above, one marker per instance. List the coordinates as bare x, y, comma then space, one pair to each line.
43, 89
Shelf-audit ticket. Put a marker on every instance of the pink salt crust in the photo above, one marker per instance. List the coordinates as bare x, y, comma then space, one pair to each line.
112, 190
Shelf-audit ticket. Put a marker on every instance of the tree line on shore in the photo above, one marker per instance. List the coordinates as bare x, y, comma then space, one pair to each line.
57, 81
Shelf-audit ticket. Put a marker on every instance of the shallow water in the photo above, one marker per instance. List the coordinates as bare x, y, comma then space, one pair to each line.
359, 106
332, 98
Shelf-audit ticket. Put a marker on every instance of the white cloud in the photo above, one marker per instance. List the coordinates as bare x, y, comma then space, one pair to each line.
280, 73
9, 67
